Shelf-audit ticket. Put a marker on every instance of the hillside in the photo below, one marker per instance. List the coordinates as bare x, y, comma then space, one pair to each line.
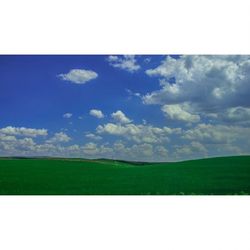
223, 175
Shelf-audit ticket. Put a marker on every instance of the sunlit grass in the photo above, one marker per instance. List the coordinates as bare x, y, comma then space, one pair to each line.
224, 175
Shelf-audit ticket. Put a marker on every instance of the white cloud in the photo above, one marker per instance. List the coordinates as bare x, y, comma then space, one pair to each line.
210, 83
140, 152
79, 76
96, 113
7, 138
194, 148
161, 151
138, 133
59, 137
126, 62
178, 112
235, 114
67, 115
93, 136
94, 150
119, 150
138, 142
147, 60
218, 134
202, 89
144, 149
22, 131
90, 149
26, 144
120, 117
10, 145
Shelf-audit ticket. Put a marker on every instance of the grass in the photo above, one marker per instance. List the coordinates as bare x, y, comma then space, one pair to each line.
219, 176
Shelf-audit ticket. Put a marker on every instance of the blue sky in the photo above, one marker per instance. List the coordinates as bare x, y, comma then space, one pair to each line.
155, 108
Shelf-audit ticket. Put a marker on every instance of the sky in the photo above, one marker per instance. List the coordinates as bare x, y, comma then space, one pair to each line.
130, 107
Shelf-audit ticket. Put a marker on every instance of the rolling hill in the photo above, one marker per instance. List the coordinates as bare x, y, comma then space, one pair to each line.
61, 176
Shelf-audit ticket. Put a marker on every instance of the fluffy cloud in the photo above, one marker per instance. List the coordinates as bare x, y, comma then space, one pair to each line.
7, 138
139, 142
178, 112
213, 90
96, 113
218, 134
119, 150
235, 114
90, 149
79, 76
161, 152
58, 138
144, 147
210, 84
188, 151
22, 131
67, 115
127, 62
93, 136
24, 145
145, 150
140, 152
120, 117
138, 133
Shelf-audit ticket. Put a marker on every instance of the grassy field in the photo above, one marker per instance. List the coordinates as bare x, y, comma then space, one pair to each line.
224, 175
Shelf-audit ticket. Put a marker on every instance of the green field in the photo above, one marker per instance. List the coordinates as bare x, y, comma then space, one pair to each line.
224, 175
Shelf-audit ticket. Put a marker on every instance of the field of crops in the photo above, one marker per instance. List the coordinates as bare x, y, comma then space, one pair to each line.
224, 175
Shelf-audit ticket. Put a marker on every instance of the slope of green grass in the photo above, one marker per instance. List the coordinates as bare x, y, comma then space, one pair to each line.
225, 175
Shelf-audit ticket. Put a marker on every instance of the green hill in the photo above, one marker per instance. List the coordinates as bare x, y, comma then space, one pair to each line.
223, 175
